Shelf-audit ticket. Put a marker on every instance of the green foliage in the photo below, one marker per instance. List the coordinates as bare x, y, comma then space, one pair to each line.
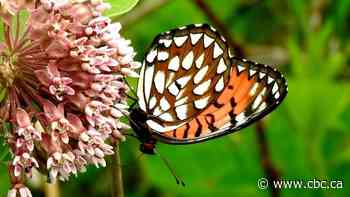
121, 6
3, 93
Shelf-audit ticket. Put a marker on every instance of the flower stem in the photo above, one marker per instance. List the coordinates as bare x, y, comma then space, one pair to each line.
117, 177
52, 189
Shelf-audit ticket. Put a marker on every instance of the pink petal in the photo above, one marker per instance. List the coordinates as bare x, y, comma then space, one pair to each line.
66, 80
22, 192
81, 12
69, 91
57, 50
22, 118
17, 170
52, 89
82, 80
104, 68
60, 110
79, 100
53, 70
12, 193
65, 138
29, 194
52, 112
75, 121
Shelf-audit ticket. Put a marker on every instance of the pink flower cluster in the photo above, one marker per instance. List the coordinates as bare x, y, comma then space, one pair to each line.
64, 79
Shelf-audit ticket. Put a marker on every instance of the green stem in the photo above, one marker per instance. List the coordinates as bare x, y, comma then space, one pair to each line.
117, 177
52, 189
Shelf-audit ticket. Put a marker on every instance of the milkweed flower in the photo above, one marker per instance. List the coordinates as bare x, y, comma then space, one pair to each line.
63, 78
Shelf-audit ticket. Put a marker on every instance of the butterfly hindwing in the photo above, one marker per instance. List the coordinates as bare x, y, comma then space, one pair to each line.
184, 71
253, 91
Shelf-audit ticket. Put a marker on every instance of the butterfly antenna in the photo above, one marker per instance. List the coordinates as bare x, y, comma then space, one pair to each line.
130, 97
130, 87
167, 163
130, 135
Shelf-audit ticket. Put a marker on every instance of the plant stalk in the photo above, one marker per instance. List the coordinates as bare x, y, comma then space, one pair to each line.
117, 175
52, 189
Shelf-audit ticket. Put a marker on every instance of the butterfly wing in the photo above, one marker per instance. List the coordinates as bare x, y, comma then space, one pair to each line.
184, 71
252, 91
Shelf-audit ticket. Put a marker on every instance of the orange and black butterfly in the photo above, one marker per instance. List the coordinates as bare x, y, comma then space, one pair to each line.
192, 89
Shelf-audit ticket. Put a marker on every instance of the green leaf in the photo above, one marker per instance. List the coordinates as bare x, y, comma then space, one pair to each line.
121, 6
3, 93
4, 149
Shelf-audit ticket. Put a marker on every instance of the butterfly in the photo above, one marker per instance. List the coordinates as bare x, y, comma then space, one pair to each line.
192, 89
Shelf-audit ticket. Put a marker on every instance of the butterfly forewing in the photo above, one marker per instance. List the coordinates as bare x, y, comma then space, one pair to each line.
252, 91
184, 71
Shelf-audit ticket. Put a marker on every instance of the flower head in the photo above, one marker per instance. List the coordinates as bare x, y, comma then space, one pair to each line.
63, 76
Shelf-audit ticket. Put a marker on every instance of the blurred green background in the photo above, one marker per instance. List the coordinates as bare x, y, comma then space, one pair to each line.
308, 135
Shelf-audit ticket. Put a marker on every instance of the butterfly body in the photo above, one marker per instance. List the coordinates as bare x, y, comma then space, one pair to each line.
192, 89
142, 131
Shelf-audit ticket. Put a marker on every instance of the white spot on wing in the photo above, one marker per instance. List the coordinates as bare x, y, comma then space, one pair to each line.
152, 102
159, 128
195, 37
140, 89
170, 79
261, 75
277, 95
159, 81
166, 117
200, 60
179, 41
252, 72
274, 88
151, 55
220, 84
184, 80
223, 38
148, 80
164, 104
202, 88
181, 101
254, 88
181, 112
201, 103
163, 55
261, 107
187, 61
174, 64
207, 40
230, 53
217, 50
182, 91
173, 89
157, 111
269, 79
257, 101
240, 68
166, 42
221, 66
241, 118
200, 74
